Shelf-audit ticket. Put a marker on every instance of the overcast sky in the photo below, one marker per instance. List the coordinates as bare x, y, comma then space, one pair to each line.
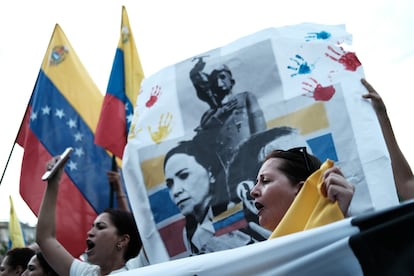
170, 31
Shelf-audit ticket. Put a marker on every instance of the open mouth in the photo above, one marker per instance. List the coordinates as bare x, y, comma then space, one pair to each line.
258, 205
90, 245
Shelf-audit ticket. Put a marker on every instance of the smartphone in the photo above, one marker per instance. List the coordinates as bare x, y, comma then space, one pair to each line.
63, 157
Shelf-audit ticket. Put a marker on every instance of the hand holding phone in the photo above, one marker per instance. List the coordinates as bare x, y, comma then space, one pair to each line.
63, 157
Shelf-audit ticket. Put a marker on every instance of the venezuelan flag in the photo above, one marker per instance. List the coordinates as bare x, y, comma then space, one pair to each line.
15, 229
63, 112
230, 220
122, 92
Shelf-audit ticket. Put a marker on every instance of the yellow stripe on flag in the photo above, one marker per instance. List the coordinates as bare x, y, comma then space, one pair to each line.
132, 63
80, 91
236, 208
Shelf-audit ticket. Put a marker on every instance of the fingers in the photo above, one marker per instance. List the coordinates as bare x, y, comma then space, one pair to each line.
113, 176
336, 188
114, 179
334, 184
373, 95
331, 176
52, 162
368, 86
54, 168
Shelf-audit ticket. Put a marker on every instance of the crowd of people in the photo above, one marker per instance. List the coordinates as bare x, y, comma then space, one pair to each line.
114, 245
26, 261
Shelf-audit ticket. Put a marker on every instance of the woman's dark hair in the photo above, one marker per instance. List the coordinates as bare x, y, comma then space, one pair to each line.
247, 161
19, 256
298, 165
45, 265
125, 224
205, 157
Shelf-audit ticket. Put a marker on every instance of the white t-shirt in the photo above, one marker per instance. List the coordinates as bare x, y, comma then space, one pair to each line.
79, 268
83, 268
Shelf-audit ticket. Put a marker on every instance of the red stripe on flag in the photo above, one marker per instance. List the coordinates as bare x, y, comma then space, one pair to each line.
111, 130
173, 234
237, 225
71, 228
21, 136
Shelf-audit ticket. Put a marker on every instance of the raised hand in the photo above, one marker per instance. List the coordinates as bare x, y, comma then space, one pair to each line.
373, 95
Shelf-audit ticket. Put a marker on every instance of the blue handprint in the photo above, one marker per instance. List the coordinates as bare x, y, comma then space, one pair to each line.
302, 66
321, 35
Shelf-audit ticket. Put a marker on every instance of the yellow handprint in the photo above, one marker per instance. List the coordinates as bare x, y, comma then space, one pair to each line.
163, 128
132, 129
133, 132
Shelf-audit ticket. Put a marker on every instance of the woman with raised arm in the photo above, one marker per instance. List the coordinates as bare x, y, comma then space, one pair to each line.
111, 242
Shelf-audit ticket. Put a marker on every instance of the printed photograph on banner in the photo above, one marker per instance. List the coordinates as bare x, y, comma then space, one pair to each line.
199, 190
212, 82
203, 126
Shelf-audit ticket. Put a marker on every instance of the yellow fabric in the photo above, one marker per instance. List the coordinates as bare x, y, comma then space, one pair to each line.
65, 70
310, 208
15, 231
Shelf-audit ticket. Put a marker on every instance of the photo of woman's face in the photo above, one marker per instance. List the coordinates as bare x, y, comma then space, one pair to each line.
188, 183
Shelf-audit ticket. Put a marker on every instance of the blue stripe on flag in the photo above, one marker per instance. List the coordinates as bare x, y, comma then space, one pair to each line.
58, 125
229, 220
116, 84
162, 206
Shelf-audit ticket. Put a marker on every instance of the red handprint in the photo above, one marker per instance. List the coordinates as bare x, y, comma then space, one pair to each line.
317, 91
155, 93
348, 59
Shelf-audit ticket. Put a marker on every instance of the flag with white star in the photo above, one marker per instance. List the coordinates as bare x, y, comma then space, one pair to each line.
63, 112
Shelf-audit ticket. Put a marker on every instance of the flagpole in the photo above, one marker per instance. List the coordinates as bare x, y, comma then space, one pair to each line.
111, 193
7, 163
14, 143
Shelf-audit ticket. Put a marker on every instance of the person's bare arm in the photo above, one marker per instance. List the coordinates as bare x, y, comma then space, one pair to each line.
56, 255
115, 181
403, 175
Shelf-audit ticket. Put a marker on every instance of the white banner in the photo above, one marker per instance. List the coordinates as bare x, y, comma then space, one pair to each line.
310, 252
194, 147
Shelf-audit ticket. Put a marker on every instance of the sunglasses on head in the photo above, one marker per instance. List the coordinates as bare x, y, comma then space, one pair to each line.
304, 153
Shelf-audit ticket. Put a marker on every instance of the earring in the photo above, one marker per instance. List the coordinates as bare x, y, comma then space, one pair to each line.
119, 246
211, 177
